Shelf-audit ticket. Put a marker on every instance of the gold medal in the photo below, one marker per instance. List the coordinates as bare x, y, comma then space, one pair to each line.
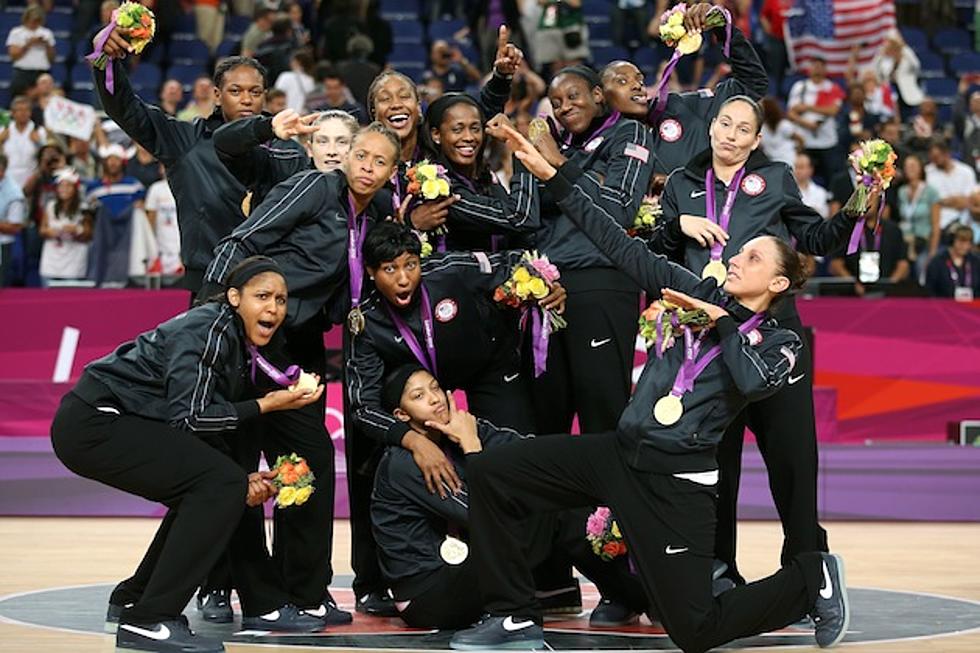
715, 270
690, 43
355, 321
454, 551
247, 203
668, 409
537, 129
306, 382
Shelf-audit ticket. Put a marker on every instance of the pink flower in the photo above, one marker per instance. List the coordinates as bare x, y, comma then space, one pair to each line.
595, 526
546, 269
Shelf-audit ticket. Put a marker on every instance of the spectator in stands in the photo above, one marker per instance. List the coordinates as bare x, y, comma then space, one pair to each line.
39, 189
115, 195
114, 190
275, 101
956, 271
966, 118
562, 38
161, 211
526, 90
880, 257
431, 90
12, 213
334, 94
81, 159
448, 64
21, 140
202, 100
171, 95
918, 212
926, 128
891, 133
772, 17
258, 31
779, 138
275, 51
896, 63
337, 26
379, 31
358, 71
66, 228
855, 122
814, 195
30, 46
878, 96
91, 28
209, 17
813, 106
628, 19
954, 181
297, 82
40, 94
143, 167
301, 33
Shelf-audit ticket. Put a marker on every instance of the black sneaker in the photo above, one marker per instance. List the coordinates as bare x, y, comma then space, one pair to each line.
610, 614
287, 618
112, 617
215, 606
831, 612
164, 637
563, 602
509, 633
377, 604
330, 614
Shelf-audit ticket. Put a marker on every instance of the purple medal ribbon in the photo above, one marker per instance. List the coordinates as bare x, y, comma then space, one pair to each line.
660, 104
659, 343
427, 357
855, 241
726, 211
611, 120
100, 42
355, 241
285, 379
692, 367
955, 277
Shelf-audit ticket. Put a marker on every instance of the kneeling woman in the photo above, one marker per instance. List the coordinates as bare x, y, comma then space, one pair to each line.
149, 418
657, 470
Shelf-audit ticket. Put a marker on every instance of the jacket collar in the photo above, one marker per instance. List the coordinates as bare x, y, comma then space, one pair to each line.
698, 166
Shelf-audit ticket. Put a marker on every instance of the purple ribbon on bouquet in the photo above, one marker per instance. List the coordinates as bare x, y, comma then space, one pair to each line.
285, 379
659, 341
855, 242
101, 40
660, 105
540, 335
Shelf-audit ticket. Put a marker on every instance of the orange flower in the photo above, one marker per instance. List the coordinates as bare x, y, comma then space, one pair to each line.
139, 33
145, 20
499, 294
414, 188
301, 468
289, 477
611, 549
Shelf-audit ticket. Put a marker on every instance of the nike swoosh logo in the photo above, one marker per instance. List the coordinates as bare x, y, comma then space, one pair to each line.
159, 634
671, 550
827, 591
399, 339
272, 616
319, 612
598, 343
510, 377
794, 379
697, 193
510, 626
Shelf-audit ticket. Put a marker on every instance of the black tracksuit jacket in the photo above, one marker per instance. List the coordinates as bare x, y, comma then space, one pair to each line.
476, 335
189, 372
302, 224
748, 369
682, 130
208, 196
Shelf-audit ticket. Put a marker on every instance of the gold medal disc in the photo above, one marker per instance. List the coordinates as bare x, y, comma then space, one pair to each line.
454, 551
715, 270
668, 409
690, 43
536, 129
355, 321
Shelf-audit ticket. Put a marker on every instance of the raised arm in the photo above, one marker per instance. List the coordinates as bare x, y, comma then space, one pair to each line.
814, 234
248, 149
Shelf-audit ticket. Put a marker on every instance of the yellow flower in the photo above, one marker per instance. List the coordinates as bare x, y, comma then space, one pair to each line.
522, 289
443, 186
427, 171
521, 275
430, 189
538, 287
303, 494
676, 18
123, 19
286, 496
615, 530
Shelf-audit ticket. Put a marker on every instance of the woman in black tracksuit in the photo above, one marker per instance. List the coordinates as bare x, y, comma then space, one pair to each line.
304, 224
682, 127
149, 419
766, 201
657, 469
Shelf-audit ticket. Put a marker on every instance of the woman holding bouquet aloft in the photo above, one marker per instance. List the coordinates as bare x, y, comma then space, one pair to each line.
657, 470
484, 216
150, 419
726, 196
313, 223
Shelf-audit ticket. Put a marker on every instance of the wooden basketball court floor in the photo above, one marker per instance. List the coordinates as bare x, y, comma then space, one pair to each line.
42, 553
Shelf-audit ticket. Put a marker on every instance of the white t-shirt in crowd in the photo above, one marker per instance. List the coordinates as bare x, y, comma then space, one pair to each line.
296, 86
959, 180
161, 199
36, 56
824, 94
779, 145
21, 151
63, 257
817, 198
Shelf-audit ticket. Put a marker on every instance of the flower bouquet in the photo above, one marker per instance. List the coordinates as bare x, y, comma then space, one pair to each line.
294, 480
604, 535
661, 321
646, 218
139, 25
874, 163
428, 182
673, 33
424, 240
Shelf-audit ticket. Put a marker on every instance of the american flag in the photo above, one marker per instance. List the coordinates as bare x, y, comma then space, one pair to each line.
830, 29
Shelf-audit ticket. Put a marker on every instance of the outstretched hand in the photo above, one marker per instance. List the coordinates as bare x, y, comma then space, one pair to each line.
522, 148
683, 300
287, 124
116, 46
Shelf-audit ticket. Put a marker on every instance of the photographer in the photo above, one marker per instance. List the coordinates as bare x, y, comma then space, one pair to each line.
448, 64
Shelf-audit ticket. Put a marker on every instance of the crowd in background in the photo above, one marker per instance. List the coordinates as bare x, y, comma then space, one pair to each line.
98, 211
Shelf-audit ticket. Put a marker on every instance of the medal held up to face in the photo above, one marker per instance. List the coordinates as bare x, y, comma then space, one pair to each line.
536, 129
355, 321
668, 409
715, 270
